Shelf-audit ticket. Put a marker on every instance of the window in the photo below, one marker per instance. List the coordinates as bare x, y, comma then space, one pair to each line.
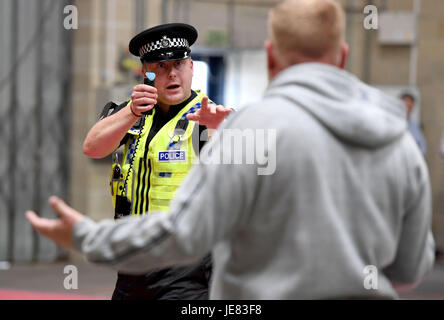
200, 77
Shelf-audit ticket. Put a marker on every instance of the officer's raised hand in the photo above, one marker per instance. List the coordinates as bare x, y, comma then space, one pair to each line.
143, 99
209, 114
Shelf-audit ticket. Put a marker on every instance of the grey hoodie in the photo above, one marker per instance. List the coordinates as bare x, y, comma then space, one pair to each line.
344, 213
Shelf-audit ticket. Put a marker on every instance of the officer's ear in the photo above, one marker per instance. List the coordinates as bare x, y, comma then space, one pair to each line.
192, 66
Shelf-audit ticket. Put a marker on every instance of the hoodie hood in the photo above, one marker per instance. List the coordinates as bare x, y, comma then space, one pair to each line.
352, 110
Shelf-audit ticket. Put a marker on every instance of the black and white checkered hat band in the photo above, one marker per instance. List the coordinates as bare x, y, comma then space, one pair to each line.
163, 43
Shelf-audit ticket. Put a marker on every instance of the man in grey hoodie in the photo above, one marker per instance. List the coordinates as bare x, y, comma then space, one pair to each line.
345, 213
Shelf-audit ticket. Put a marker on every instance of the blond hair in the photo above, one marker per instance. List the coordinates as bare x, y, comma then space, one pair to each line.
308, 28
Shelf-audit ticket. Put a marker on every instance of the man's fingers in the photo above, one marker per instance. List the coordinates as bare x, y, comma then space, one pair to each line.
213, 108
221, 108
42, 225
137, 94
67, 214
55, 229
60, 207
33, 218
146, 88
192, 117
204, 103
146, 108
58, 230
141, 102
209, 112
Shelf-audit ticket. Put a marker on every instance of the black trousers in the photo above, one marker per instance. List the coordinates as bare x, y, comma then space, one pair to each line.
176, 283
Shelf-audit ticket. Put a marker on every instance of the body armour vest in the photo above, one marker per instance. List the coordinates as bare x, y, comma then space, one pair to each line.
148, 175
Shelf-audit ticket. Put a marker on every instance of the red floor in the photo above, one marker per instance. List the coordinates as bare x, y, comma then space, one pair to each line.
34, 295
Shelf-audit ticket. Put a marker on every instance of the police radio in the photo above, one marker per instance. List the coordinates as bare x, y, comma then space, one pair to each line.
149, 81
122, 204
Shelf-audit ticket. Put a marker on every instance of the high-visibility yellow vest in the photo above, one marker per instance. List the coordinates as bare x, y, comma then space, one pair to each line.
159, 168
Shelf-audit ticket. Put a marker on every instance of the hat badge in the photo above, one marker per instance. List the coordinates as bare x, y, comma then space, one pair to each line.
165, 42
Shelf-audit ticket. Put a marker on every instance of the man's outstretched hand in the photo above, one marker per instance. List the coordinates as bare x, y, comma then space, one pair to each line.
209, 115
58, 230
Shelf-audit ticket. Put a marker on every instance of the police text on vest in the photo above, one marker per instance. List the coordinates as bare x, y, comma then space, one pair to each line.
172, 156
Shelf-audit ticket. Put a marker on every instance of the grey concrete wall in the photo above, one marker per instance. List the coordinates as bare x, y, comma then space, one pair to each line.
34, 106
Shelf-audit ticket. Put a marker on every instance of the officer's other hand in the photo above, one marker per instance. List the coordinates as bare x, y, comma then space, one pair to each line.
209, 114
143, 98
59, 230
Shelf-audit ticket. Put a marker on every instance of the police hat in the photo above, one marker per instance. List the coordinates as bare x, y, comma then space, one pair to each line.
169, 41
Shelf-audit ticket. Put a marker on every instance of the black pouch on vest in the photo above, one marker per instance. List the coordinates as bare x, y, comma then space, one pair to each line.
123, 207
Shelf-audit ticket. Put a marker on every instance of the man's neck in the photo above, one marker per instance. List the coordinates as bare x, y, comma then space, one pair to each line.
166, 107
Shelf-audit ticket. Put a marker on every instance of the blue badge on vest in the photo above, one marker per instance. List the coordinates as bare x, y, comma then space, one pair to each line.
172, 156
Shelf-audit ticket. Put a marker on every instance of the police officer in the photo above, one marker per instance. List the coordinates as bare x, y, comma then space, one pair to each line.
160, 145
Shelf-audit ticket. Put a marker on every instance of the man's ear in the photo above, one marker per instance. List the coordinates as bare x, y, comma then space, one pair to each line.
192, 66
272, 63
344, 55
